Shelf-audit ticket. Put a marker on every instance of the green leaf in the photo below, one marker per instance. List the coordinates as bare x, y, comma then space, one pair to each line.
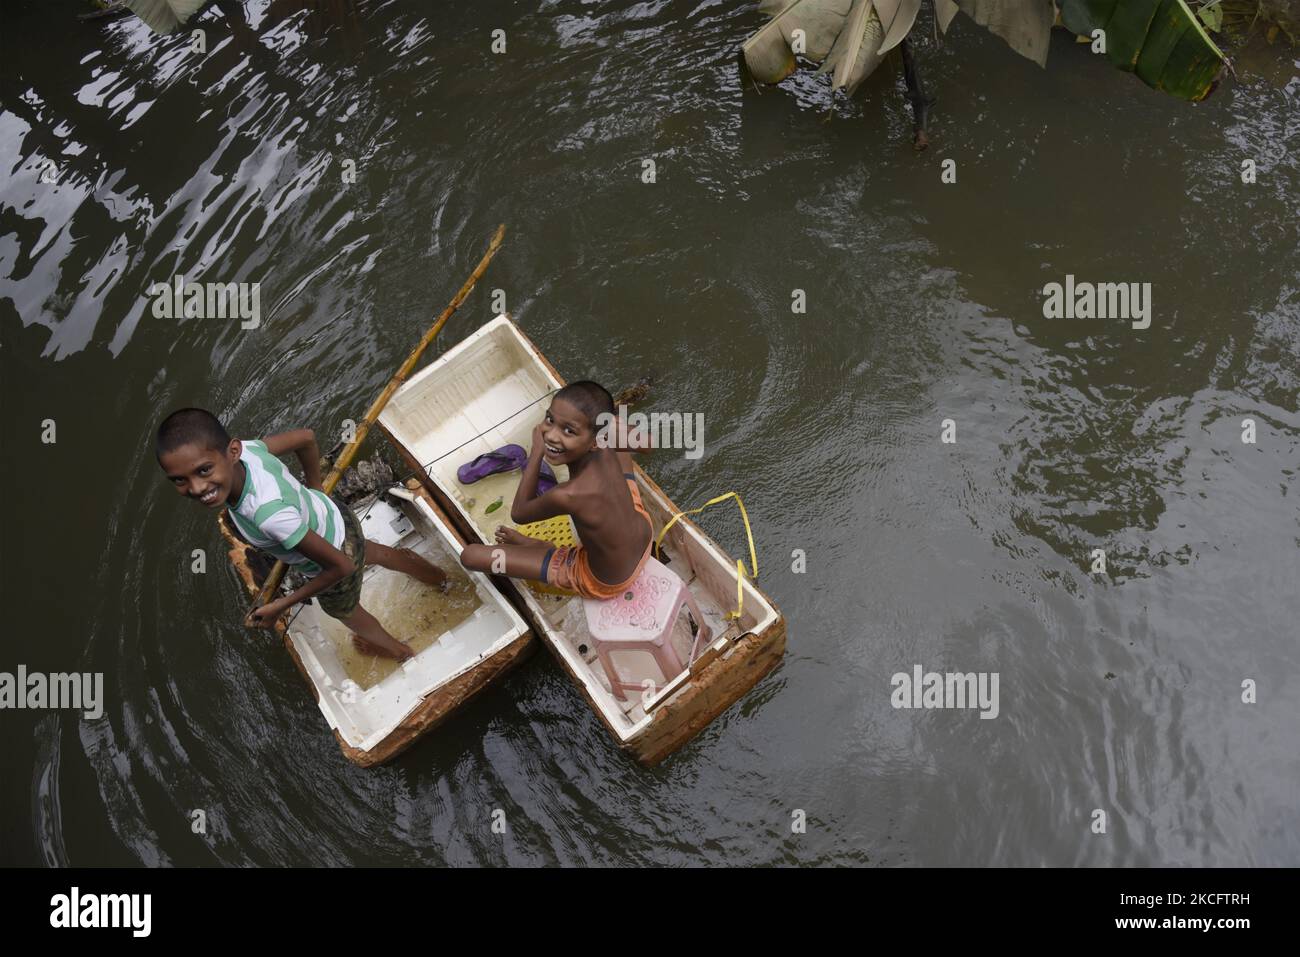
1212, 16
494, 506
1161, 41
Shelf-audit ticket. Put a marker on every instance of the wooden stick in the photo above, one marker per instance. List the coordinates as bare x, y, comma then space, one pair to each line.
350, 450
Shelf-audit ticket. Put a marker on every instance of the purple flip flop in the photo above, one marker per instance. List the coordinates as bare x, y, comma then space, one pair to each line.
508, 458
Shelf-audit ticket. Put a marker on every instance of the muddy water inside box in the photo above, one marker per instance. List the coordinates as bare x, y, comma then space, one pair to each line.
411, 611
479, 497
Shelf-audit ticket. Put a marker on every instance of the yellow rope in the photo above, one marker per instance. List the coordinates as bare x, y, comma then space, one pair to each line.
740, 565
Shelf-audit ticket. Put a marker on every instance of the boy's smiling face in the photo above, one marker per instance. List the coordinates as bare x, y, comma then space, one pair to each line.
567, 432
205, 475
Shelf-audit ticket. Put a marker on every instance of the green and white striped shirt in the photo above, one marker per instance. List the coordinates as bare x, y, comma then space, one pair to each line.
275, 511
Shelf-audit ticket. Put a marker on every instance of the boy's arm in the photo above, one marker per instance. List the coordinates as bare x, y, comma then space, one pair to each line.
335, 566
625, 439
302, 441
528, 506
556, 501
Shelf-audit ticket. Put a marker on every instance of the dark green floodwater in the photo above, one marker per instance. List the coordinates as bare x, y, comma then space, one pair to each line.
1120, 692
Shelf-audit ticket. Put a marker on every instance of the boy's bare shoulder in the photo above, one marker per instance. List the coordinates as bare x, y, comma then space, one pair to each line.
592, 488
615, 466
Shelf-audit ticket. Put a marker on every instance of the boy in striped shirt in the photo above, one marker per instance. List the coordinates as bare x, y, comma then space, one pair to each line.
316, 536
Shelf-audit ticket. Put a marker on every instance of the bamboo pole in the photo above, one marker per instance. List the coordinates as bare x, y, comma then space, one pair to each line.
363, 428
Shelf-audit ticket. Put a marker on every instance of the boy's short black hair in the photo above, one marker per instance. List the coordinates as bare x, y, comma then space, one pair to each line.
191, 427
590, 398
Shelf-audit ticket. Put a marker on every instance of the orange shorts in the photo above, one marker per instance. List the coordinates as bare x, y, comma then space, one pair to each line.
570, 568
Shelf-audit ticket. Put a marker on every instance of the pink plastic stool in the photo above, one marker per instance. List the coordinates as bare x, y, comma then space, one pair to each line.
642, 619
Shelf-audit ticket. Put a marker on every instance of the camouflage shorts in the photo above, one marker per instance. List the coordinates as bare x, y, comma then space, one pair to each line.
341, 599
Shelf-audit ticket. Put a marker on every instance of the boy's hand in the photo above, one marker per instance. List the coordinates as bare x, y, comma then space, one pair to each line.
264, 616
539, 442
302, 441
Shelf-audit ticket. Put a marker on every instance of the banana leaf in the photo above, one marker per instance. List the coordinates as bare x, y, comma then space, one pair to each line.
856, 57
768, 52
944, 11
1026, 25
844, 36
164, 16
1161, 41
897, 17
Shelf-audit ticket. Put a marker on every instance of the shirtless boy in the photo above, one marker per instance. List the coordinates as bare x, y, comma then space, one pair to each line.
601, 496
